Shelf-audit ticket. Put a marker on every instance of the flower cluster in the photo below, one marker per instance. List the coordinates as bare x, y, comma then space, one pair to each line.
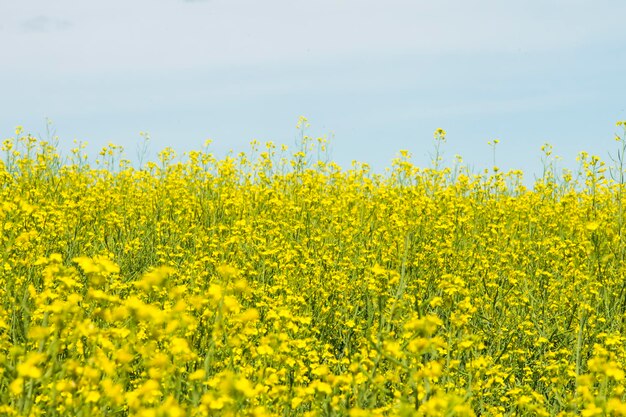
279, 284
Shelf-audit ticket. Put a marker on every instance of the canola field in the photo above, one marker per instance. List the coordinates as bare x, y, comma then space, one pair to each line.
275, 283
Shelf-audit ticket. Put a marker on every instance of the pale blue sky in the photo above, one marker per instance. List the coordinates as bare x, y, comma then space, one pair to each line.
378, 76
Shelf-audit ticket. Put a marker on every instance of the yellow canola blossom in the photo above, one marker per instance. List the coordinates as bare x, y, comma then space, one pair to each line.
276, 283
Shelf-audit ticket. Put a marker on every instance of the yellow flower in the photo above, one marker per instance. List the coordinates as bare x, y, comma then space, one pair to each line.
245, 387
231, 305
215, 292
378, 270
92, 397
436, 302
227, 272
17, 386
155, 277
197, 375
616, 406
98, 268
440, 134
179, 347
250, 315
29, 368
591, 410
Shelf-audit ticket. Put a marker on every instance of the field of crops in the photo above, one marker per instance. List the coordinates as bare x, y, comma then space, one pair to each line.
276, 283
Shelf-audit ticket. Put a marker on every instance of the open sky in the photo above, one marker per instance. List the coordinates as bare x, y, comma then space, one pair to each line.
376, 76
